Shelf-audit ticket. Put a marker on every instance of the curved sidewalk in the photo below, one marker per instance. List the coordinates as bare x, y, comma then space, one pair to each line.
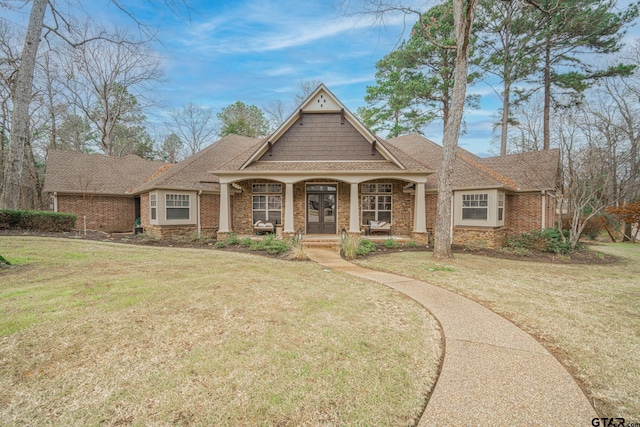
493, 372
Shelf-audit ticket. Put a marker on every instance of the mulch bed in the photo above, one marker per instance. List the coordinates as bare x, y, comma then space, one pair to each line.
585, 256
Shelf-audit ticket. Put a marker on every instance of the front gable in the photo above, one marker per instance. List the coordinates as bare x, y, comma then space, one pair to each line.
325, 136
322, 130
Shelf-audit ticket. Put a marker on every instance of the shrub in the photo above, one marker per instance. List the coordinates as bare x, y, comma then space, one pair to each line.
246, 242
37, 220
391, 244
269, 244
547, 240
232, 239
365, 247
412, 244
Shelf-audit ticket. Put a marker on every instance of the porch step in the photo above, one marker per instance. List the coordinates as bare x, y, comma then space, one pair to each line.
321, 244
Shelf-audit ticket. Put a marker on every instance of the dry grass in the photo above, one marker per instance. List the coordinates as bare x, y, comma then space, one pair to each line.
96, 333
587, 315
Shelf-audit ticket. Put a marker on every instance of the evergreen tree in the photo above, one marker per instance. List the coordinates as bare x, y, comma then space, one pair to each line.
242, 119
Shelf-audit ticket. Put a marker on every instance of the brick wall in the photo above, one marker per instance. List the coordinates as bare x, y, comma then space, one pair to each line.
523, 212
104, 213
209, 211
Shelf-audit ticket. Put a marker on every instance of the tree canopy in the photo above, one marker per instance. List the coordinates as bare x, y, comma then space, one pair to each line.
243, 119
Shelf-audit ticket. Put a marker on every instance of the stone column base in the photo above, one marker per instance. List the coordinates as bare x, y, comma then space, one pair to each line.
220, 236
420, 237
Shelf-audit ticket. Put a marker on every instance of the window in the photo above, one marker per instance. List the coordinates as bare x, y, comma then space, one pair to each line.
153, 205
377, 188
266, 188
267, 207
177, 206
475, 206
500, 206
376, 207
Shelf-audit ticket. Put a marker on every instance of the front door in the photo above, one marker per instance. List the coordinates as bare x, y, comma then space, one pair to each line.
321, 209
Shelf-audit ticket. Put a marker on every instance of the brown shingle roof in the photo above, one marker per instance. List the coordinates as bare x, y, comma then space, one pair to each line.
525, 171
531, 170
193, 173
72, 172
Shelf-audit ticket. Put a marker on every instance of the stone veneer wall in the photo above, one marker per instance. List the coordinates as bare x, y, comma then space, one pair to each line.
169, 231
145, 215
479, 236
104, 213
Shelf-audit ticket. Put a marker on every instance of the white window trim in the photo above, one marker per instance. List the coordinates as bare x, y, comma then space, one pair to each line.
167, 207
476, 201
153, 196
493, 197
376, 194
266, 194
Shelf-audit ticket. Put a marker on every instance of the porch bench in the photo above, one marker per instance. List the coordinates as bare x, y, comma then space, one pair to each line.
381, 226
263, 227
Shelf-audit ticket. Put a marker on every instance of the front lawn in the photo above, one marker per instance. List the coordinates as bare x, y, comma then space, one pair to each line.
588, 316
94, 332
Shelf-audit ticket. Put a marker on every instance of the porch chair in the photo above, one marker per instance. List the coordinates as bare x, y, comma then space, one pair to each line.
263, 227
381, 226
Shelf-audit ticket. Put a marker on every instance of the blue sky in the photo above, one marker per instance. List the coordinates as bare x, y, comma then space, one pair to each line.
257, 51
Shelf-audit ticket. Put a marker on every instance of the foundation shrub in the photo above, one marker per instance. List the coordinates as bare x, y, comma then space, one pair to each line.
547, 240
37, 220
365, 247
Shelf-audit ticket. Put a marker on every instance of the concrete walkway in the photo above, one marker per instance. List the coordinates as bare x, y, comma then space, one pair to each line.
493, 373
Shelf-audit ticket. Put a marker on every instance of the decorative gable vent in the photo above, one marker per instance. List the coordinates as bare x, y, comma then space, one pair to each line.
322, 102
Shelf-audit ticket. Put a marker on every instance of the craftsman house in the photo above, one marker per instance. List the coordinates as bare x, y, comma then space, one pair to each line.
320, 172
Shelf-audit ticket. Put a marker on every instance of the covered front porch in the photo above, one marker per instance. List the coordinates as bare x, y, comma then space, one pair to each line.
324, 207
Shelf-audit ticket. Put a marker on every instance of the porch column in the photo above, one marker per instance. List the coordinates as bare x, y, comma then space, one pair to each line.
419, 218
288, 209
225, 203
354, 217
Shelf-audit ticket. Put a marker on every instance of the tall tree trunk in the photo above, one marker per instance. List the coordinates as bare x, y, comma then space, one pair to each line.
21, 95
463, 13
505, 119
547, 96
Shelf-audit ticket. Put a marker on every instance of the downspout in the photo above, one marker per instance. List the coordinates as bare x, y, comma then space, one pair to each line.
55, 201
544, 210
198, 225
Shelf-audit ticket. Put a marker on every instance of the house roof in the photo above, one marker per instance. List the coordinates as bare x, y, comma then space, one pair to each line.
517, 172
323, 137
193, 173
73, 172
322, 129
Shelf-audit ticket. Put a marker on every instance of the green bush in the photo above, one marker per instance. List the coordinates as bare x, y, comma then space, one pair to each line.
270, 244
547, 240
37, 220
391, 244
365, 247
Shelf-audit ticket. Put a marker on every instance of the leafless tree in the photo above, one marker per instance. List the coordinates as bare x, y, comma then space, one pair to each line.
63, 26
194, 125
107, 81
